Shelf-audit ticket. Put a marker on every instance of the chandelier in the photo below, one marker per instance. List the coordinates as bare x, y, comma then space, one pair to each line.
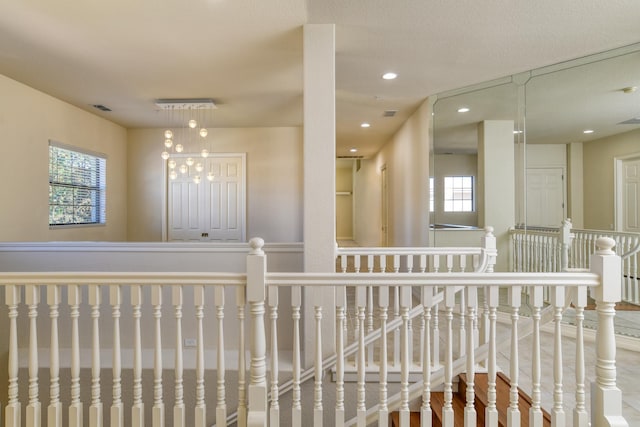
187, 121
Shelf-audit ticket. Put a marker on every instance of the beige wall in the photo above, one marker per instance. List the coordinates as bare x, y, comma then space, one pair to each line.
599, 180
28, 120
274, 180
344, 200
406, 158
367, 204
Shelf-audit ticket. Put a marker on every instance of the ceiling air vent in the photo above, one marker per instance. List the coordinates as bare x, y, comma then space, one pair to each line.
350, 157
634, 121
101, 107
389, 113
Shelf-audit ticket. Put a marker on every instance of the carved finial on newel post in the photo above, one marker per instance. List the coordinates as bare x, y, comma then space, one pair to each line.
606, 396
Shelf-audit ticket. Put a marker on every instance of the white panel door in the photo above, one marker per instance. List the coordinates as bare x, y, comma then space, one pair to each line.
212, 210
184, 209
545, 197
224, 200
631, 196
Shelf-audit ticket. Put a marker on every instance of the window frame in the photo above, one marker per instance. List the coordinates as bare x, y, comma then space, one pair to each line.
96, 190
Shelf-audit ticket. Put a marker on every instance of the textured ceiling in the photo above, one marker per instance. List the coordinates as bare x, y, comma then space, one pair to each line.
247, 54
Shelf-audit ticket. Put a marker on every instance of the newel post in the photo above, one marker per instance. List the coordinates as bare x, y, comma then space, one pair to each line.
606, 397
565, 243
256, 276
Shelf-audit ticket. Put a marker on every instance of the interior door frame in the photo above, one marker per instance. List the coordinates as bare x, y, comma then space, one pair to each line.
618, 197
242, 193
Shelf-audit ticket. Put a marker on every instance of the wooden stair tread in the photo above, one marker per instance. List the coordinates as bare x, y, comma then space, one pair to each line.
458, 403
414, 419
503, 389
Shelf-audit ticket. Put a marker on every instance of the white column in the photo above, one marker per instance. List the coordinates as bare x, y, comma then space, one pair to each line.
496, 188
319, 176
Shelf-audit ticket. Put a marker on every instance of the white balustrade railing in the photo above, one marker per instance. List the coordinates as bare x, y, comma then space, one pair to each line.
258, 289
368, 302
555, 249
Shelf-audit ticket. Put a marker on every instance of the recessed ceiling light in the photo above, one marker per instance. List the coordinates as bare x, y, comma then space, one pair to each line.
516, 132
587, 131
463, 110
389, 76
365, 125
354, 150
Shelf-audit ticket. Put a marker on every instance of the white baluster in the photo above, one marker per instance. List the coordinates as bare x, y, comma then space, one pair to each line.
470, 415
74, 299
178, 406
435, 342
241, 301
95, 410
12, 412
383, 303
117, 408
341, 302
157, 412
343, 263
557, 412
296, 406
396, 331
369, 290
580, 415
32, 298
535, 411
221, 405
491, 413
274, 411
361, 408
447, 408
54, 412
201, 406
462, 333
405, 304
425, 409
423, 263
513, 412
137, 410
317, 389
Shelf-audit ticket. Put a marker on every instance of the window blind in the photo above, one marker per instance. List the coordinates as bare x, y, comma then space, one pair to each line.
77, 186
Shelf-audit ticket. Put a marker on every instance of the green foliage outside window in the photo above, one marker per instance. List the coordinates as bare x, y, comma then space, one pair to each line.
76, 187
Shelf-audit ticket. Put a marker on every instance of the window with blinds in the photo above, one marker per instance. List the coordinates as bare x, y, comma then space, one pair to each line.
77, 186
